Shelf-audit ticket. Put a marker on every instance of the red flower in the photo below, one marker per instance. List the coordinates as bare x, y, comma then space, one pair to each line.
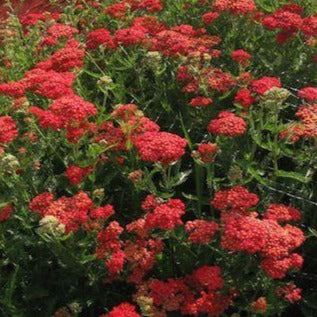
161, 147
259, 306
5, 212
201, 231
309, 26
237, 199
99, 37
75, 174
227, 124
8, 129
244, 98
210, 17
220, 81
200, 102
282, 213
308, 93
207, 152
166, 216
130, 36
241, 56
264, 84
102, 212
290, 292
123, 310
209, 277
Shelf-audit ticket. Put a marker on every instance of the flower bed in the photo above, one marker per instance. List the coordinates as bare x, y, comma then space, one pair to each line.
158, 158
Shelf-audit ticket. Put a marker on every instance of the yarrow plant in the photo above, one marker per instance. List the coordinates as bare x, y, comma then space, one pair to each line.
158, 158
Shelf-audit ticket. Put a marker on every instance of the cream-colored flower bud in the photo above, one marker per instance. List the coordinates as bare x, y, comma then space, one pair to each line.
145, 303
235, 174
50, 225
75, 307
104, 82
276, 94
98, 193
152, 58
9, 163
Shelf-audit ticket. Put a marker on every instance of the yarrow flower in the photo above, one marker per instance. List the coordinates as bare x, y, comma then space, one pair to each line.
241, 56
244, 97
99, 37
210, 17
290, 292
239, 7
71, 211
8, 130
227, 124
308, 93
206, 152
200, 102
166, 215
259, 306
282, 213
163, 147
5, 212
201, 231
209, 277
262, 85
123, 310
237, 199
75, 174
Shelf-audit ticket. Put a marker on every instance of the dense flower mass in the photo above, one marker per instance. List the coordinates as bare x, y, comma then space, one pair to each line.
227, 124
166, 216
123, 310
99, 37
70, 211
8, 129
157, 158
237, 199
201, 231
162, 147
264, 84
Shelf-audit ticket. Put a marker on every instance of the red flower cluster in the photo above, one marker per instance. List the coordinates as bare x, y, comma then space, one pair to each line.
308, 121
238, 7
308, 93
165, 216
200, 102
244, 97
75, 174
220, 81
246, 232
264, 84
162, 147
99, 37
207, 152
210, 17
67, 58
227, 124
259, 306
5, 212
289, 292
8, 130
141, 255
191, 295
201, 231
241, 56
123, 310
70, 211
130, 36
282, 213
109, 248
68, 112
